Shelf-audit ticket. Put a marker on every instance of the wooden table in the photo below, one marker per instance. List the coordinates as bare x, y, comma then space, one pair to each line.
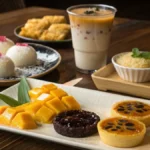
127, 34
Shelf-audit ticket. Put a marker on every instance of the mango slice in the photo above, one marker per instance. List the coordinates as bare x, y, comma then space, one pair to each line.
7, 116
22, 107
35, 92
44, 115
23, 120
59, 93
49, 87
56, 105
44, 97
70, 103
33, 108
2, 109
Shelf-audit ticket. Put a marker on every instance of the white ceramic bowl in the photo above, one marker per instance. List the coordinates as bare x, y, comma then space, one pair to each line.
131, 74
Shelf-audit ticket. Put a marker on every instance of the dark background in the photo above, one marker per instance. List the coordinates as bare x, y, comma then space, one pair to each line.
134, 9
138, 9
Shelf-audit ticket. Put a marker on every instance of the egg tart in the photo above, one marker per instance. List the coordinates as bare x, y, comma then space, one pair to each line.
121, 132
132, 109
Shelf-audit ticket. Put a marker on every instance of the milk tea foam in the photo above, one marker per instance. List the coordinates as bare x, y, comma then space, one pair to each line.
91, 36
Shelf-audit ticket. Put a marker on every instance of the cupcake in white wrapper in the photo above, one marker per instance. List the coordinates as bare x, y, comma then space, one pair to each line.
130, 68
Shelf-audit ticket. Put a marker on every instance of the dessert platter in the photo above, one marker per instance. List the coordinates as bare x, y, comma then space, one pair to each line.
48, 29
60, 113
25, 59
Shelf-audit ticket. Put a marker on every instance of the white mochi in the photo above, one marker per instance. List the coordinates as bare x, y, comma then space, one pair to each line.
7, 67
22, 56
5, 45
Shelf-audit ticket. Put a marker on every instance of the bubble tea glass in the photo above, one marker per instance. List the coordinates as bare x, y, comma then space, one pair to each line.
91, 26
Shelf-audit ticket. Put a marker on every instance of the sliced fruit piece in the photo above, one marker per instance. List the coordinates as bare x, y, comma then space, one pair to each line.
56, 105
7, 116
23, 120
45, 97
33, 108
22, 107
59, 93
2, 109
44, 115
49, 87
35, 92
70, 103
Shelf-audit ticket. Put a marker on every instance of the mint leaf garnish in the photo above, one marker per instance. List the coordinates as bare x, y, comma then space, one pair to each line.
23, 88
97, 8
136, 53
88, 12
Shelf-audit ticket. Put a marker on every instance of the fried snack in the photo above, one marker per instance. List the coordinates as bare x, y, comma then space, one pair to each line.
55, 19
56, 32
30, 32
32, 22
34, 28
48, 28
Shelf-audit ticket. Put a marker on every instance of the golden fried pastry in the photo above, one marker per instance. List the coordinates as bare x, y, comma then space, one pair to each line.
30, 32
32, 22
49, 28
56, 32
42, 25
55, 19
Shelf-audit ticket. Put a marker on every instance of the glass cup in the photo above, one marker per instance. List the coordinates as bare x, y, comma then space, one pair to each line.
91, 26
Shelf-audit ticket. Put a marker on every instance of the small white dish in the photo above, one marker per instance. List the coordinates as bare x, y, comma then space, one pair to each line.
131, 74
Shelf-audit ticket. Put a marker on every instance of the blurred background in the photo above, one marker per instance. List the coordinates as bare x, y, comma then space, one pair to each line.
135, 9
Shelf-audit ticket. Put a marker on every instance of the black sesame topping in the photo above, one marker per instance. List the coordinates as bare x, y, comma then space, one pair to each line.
145, 109
120, 109
122, 120
118, 127
108, 127
139, 111
130, 128
139, 106
126, 112
114, 129
120, 124
129, 124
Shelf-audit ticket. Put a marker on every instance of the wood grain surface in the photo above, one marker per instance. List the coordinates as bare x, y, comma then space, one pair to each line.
126, 35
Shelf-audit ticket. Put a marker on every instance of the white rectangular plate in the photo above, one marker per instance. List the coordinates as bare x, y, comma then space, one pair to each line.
96, 101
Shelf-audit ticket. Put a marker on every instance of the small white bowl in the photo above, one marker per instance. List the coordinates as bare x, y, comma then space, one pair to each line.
131, 74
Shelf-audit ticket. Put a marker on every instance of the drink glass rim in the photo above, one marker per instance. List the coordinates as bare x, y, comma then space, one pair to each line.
114, 10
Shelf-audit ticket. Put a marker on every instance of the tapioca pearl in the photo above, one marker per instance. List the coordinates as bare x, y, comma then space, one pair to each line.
129, 124
114, 129
126, 112
139, 111
122, 120
120, 124
118, 127
130, 108
129, 128
139, 106
145, 109
110, 123
108, 127
120, 109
